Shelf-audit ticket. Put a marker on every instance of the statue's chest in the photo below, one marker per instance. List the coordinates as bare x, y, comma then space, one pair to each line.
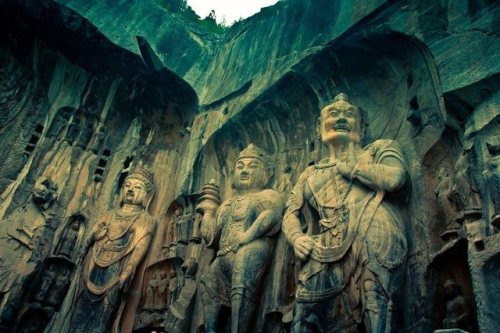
240, 216
119, 233
326, 188
242, 208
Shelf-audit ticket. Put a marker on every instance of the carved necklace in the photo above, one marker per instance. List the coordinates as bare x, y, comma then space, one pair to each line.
129, 219
341, 210
126, 216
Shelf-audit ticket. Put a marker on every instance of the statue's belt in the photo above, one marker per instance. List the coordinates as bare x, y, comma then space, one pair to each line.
324, 254
312, 296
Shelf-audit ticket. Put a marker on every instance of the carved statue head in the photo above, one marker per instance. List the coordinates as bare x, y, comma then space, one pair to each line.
44, 192
252, 169
138, 187
341, 120
189, 267
451, 288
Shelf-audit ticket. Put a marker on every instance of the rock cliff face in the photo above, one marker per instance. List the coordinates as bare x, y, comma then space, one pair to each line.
90, 88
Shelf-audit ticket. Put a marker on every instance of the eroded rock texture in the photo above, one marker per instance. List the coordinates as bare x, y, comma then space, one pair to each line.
89, 89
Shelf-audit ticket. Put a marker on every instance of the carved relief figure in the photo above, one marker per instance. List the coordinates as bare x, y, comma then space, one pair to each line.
347, 233
153, 290
176, 221
443, 191
457, 308
47, 279
177, 317
117, 246
492, 175
59, 288
70, 237
242, 230
173, 285
21, 232
162, 291
464, 194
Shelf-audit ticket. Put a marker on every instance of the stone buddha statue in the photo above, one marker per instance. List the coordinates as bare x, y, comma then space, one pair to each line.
345, 227
21, 237
117, 245
242, 229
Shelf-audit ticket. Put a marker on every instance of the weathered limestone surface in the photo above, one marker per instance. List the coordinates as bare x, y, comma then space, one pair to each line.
90, 88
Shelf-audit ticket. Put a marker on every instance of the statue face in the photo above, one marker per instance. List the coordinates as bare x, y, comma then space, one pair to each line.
43, 191
340, 121
450, 288
249, 173
134, 191
75, 225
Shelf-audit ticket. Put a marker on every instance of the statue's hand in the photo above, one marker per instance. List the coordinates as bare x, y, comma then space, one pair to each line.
243, 239
100, 231
347, 167
344, 169
303, 246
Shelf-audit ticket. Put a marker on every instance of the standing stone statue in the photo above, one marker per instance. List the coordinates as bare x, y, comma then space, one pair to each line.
117, 245
149, 294
21, 233
457, 307
492, 175
344, 227
47, 280
69, 239
242, 230
59, 288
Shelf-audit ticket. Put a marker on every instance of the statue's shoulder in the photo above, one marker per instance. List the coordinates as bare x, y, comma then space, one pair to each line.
270, 198
383, 147
270, 194
308, 172
383, 144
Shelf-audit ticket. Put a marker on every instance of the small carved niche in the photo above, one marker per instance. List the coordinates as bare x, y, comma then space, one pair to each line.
71, 237
186, 224
33, 142
171, 228
74, 128
101, 165
87, 132
124, 172
60, 122
452, 304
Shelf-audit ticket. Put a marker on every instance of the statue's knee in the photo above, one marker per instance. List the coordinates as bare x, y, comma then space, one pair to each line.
375, 299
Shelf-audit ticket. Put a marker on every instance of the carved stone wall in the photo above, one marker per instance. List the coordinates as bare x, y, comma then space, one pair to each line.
86, 94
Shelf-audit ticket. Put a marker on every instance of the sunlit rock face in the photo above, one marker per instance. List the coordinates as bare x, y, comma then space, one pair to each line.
91, 90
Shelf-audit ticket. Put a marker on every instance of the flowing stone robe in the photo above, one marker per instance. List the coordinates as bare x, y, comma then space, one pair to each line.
368, 237
101, 299
242, 272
